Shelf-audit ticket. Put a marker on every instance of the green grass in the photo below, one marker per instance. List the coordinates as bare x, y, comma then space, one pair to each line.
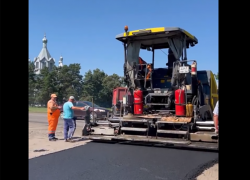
42, 109
37, 110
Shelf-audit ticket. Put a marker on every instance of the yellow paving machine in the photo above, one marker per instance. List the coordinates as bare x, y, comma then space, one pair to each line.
168, 106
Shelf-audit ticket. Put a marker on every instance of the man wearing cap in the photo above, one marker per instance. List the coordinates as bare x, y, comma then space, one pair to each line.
53, 113
68, 117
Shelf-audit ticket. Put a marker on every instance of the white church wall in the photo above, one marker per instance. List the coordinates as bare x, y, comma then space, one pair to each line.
44, 59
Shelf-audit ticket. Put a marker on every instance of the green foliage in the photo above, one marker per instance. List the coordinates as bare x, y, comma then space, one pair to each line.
67, 81
92, 85
216, 76
109, 83
37, 110
31, 82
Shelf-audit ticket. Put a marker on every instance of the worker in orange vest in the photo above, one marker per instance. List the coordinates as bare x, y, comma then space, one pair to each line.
141, 61
145, 67
53, 112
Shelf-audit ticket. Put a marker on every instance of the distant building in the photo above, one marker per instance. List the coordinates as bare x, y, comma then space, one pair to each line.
44, 59
60, 62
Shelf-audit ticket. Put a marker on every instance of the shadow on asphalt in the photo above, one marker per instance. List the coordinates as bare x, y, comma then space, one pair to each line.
74, 138
156, 146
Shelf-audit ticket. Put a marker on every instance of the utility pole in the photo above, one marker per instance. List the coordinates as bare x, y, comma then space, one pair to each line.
93, 110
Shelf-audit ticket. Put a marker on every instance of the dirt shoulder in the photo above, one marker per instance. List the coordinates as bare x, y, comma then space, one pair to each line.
210, 174
38, 140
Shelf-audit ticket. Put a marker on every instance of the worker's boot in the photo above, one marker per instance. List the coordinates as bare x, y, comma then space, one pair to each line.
84, 131
52, 137
69, 140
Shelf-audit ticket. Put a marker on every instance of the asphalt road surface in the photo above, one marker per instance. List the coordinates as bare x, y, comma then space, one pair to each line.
101, 161
42, 118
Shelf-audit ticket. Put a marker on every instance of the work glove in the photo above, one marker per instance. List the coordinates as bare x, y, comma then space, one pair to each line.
86, 107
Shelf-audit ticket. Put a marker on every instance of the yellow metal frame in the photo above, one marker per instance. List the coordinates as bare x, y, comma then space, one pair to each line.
153, 30
156, 30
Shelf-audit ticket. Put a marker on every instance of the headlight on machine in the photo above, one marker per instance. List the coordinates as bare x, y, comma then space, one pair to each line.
101, 110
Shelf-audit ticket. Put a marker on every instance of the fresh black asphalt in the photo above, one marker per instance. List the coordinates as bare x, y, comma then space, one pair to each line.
100, 161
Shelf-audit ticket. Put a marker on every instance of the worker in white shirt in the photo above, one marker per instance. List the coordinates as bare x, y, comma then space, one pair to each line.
216, 117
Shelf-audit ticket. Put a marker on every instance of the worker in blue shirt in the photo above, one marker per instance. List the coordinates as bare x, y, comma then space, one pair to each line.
68, 117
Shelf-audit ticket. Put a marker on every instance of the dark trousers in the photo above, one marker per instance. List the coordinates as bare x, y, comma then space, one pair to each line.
69, 128
51, 136
74, 121
86, 125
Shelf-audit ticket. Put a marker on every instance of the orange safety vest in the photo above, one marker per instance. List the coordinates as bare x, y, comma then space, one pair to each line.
48, 106
149, 67
53, 115
141, 61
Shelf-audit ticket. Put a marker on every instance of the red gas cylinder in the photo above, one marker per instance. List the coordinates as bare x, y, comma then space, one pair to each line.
138, 102
180, 110
194, 69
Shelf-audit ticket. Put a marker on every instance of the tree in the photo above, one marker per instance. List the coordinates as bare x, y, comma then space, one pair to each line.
92, 85
109, 83
69, 82
99, 85
32, 82
216, 76
45, 85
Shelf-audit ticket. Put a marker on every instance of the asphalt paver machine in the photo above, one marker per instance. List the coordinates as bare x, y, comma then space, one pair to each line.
168, 106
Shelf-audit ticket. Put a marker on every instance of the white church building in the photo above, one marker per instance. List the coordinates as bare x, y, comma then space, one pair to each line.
44, 59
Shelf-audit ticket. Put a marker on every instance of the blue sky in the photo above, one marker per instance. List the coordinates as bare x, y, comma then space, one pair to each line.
83, 31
